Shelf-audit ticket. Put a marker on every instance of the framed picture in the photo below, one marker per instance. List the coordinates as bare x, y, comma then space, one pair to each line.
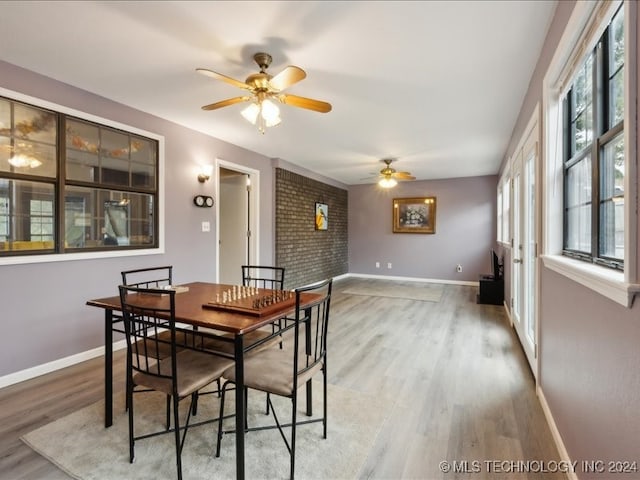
322, 216
414, 215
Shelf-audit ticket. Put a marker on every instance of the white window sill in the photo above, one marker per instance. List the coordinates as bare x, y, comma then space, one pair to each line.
607, 282
65, 257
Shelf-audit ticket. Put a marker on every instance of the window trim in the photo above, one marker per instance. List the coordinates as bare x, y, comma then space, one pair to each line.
499, 212
603, 134
62, 257
583, 30
504, 186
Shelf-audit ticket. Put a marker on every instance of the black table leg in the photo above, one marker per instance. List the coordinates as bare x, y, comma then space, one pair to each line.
240, 406
307, 338
108, 368
309, 399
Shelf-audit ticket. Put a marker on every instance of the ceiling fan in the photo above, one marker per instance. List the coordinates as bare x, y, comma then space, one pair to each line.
389, 176
262, 88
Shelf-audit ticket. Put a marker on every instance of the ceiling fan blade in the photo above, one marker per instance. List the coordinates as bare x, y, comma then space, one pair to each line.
224, 78
404, 176
308, 103
226, 103
287, 77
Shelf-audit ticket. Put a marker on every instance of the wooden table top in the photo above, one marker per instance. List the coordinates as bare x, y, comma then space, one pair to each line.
190, 310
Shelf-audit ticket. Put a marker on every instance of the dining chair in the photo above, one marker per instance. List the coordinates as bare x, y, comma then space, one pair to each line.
263, 276
282, 372
151, 277
258, 276
179, 376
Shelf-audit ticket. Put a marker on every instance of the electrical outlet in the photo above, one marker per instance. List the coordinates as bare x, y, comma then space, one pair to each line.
458, 268
377, 264
389, 265
206, 227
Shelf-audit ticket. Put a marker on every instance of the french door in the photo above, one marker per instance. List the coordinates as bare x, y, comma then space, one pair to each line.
524, 276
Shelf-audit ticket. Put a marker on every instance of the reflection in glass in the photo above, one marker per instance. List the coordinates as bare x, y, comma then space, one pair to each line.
103, 155
616, 40
582, 108
27, 140
109, 185
616, 98
116, 222
612, 200
97, 218
26, 216
143, 150
578, 206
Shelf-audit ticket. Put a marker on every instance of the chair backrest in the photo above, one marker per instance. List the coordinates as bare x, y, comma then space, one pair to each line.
148, 312
311, 326
151, 277
263, 276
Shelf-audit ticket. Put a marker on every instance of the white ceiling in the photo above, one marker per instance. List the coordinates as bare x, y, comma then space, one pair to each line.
437, 85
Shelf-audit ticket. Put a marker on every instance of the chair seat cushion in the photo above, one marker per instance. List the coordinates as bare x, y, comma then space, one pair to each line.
195, 371
271, 371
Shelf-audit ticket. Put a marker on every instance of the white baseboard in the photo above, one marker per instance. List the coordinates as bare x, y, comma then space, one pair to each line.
562, 451
411, 279
341, 277
49, 367
508, 313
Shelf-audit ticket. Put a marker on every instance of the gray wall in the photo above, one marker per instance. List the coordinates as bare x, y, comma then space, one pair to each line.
590, 353
465, 230
589, 345
42, 306
309, 255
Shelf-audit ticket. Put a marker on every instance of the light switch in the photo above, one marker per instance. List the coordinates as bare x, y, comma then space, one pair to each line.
206, 227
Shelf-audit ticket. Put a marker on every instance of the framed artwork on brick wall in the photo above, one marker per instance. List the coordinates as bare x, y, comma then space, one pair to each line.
322, 216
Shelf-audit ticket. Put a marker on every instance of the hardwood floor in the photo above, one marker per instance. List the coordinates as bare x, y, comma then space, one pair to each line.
461, 387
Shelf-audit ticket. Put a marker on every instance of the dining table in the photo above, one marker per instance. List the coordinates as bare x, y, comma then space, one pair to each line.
221, 311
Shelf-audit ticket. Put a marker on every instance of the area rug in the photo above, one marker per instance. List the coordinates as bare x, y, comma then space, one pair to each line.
81, 446
424, 292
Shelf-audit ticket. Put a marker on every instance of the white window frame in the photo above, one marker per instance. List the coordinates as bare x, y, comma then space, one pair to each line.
504, 207
499, 211
584, 29
62, 257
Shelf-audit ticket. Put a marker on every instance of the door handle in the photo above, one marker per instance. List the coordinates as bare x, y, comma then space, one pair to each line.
517, 260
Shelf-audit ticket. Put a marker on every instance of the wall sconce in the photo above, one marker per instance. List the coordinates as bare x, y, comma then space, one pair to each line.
205, 173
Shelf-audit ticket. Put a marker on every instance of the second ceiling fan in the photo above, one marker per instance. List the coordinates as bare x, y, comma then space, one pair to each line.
389, 176
263, 89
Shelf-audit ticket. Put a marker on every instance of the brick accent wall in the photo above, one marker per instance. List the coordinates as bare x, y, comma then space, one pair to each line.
309, 255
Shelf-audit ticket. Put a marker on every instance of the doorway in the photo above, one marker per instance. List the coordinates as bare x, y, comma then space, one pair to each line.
524, 275
237, 214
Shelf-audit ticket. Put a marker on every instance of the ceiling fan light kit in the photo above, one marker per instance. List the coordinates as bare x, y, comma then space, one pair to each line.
263, 113
389, 176
264, 89
387, 182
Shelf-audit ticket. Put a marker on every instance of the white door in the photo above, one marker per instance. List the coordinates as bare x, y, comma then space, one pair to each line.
524, 255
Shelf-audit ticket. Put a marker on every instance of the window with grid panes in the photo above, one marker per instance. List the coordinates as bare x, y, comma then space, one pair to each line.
71, 185
593, 112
